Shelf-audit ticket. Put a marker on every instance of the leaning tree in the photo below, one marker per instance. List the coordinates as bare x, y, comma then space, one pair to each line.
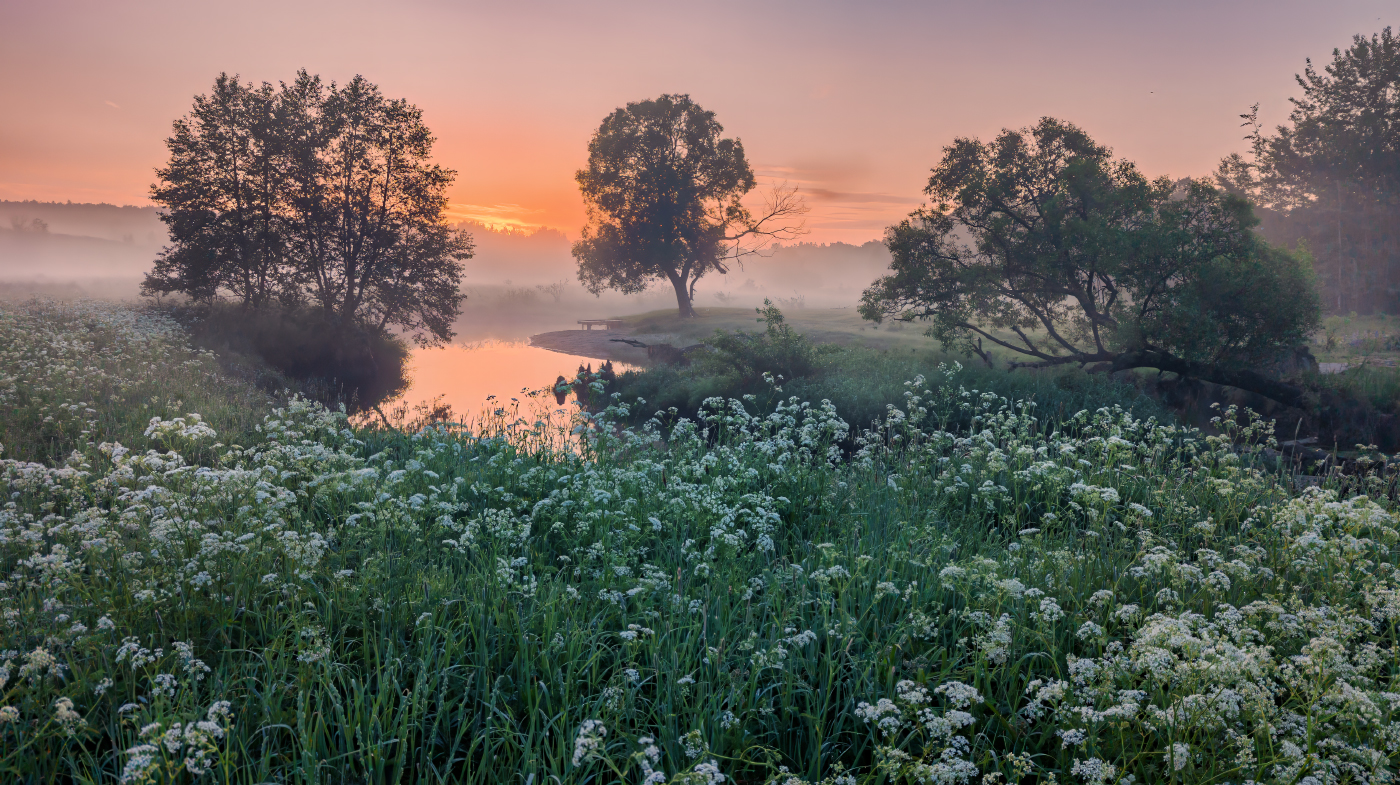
663, 191
311, 194
1044, 245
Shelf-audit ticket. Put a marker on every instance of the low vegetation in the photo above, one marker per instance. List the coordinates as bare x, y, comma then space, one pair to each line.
359, 365
73, 372
983, 591
861, 376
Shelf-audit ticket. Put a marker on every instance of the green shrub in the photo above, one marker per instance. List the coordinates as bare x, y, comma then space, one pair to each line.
740, 360
359, 366
860, 382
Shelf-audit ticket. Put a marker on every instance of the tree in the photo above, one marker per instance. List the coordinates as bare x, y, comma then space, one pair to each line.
222, 194
312, 194
663, 191
1042, 244
1331, 176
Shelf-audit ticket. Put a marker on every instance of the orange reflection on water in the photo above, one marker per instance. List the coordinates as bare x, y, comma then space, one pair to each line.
464, 376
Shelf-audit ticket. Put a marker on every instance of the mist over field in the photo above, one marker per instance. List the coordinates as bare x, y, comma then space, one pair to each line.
95, 245
103, 248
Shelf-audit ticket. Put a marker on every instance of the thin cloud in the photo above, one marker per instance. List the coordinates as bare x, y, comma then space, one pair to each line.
828, 195
109, 103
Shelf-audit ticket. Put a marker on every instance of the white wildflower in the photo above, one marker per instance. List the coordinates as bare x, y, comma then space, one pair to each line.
588, 743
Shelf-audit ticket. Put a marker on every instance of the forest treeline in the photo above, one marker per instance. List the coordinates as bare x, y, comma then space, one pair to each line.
1330, 176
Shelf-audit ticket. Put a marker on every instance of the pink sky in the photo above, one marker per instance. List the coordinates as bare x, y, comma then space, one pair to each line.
850, 101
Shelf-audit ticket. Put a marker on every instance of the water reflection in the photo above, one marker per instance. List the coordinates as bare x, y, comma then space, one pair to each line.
476, 379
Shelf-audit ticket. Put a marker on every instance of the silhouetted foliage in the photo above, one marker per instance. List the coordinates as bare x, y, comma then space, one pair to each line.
312, 194
1331, 176
1042, 234
663, 191
358, 366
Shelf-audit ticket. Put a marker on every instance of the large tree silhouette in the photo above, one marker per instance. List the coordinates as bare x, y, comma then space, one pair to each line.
311, 194
1331, 174
663, 191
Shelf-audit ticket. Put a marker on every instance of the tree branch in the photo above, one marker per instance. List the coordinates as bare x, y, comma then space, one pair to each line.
782, 204
1243, 378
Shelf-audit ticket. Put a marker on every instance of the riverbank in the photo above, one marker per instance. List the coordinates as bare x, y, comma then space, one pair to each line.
606, 343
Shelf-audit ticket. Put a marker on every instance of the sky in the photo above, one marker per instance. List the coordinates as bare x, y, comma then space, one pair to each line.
850, 101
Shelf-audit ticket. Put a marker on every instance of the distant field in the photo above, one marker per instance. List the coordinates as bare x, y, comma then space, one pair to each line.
823, 325
1355, 340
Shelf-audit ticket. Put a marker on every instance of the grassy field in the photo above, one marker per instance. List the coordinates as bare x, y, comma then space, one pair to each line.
1374, 340
973, 591
822, 325
1370, 346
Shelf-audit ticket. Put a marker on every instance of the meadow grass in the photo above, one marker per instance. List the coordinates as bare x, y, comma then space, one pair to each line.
1353, 339
822, 325
71, 372
1377, 385
861, 381
971, 593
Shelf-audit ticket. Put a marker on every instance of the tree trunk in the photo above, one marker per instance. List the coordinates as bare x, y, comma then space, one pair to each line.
687, 311
1243, 378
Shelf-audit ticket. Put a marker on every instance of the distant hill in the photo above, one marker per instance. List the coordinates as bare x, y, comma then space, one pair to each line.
130, 225
69, 241
26, 255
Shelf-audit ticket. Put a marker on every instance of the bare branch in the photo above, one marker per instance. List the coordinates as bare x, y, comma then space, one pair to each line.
1004, 344
1029, 343
780, 220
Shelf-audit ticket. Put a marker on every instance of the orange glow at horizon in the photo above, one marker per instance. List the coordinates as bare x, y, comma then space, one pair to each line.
510, 217
852, 102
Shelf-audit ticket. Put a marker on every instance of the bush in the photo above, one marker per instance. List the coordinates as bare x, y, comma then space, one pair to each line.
359, 367
741, 359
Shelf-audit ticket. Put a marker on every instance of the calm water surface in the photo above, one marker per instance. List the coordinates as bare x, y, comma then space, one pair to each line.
466, 375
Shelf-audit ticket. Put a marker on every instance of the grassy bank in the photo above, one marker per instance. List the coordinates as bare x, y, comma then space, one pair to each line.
984, 592
862, 382
817, 357
840, 326
860, 369
78, 373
